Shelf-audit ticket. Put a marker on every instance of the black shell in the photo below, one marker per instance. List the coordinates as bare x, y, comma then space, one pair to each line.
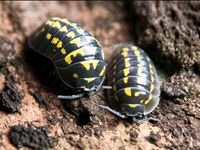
76, 54
134, 80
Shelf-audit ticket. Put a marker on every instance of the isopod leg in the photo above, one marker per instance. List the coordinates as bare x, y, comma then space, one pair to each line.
106, 87
112, 111
70, 96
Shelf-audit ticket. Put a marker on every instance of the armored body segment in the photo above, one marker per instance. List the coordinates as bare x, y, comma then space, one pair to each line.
64, 39
137, 81
84, 70
142, 74
82, 54
67, 37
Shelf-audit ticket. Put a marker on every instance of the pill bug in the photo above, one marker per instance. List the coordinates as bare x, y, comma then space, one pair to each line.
77, 56
135, 85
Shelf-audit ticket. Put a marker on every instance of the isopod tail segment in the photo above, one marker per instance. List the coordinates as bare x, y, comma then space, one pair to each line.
135, 83
138, 114
117, 113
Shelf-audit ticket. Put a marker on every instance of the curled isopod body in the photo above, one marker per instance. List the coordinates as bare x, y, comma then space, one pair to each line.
135, 83
77, 56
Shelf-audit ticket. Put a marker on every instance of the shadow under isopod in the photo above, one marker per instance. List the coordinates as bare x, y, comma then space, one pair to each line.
43, 69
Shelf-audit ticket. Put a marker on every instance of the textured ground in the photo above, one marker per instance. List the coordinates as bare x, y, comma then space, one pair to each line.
30, 116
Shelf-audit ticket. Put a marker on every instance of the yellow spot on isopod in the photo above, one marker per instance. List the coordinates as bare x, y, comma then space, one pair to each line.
137, 53
126, 59
114, 88
102, 71
137, 94
150, 66
68, 60
73, 25
148, 100
127, 91
65, 21
73, 54
75, 75
152, 78
115, 66
80, 31
134, 48
139, 65
132, 105
151, 88
64, 29
151, 71
48, 36
70, 34
125, 80
56, 25
86, 64
127, 64
54, 40
95, 64
126, 72
125, 49
139, 58
142, 101
59, 45
76, 41
63, 51
125, 54
49, 22
89, 79
139, 71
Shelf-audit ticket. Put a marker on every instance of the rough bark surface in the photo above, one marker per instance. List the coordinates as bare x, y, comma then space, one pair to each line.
31, 116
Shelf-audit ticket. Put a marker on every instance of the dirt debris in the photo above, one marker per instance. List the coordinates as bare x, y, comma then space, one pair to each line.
7, 48
153, 138
11, 98
133, 136
32, 137
40, 99
10, 95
